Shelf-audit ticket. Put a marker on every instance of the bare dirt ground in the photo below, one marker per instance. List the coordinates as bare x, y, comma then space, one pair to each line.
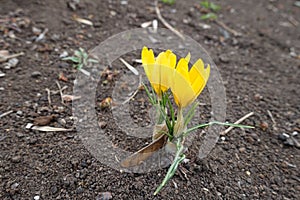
260, 70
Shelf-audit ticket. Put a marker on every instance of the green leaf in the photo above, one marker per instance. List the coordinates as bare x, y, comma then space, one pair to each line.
205, 4
209, 16
214, 7
210, 5
170, 2
93, 60
73, 59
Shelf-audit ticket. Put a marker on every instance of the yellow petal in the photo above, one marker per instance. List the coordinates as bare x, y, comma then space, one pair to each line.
199, 76
182, 90
160, 77
147, 56
172, 58
183, 69
147, 59
196, 70
188, 57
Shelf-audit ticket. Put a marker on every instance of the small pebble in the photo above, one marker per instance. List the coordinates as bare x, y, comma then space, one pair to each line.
19, 112
224, 59
248, 173
242, 149
258, 97
124, 2
289, 142
16, 159
283, 136
19, 134
295, 133
79, 190
53, 189
14, 186
104, 196
63, 54
36, 197
2, 74
113, 13
264, 126
36, 74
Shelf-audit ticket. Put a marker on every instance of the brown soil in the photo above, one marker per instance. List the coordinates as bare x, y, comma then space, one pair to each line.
260, 70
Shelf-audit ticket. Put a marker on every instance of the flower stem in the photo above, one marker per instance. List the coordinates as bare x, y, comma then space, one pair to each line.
179, 157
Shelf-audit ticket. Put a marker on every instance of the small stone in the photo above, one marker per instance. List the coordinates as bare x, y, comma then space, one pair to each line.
242, 149
63, 54
62, 121
19, 112
14, 186
283, 136
36, 30
295, 133
264, 126
124, 2
113, 13
289, 142
36, 74
248, 173
53, 189
258, 97
102, 124
104, 196
224, 59
2, 74
16, 159
79, 190
13, 62
36, 197
19, 134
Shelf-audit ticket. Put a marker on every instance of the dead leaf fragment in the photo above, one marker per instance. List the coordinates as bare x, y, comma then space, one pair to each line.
83, 21
62, 77
105, 103
46, 128
69, 98
44, 120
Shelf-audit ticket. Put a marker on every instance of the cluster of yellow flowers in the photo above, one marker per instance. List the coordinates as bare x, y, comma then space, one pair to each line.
164, 74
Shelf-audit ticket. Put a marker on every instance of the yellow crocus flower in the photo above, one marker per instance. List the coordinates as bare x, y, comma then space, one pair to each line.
162, 72
158, 70
188, 84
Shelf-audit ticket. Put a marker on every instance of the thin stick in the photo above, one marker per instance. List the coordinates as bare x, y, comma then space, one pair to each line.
6, 113
49, 96
237, 122
235, 33
165, 22
273, 120
271, 116
60, 92
2, 59
135, 92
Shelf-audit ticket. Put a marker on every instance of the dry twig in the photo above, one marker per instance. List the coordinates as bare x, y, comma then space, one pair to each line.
49, 96
6, 113
237, 122
273, 120
165, 22
5, 58
135, 92
235, 33
60, 92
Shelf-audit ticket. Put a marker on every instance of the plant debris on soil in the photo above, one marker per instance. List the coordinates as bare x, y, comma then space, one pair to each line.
260, 68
